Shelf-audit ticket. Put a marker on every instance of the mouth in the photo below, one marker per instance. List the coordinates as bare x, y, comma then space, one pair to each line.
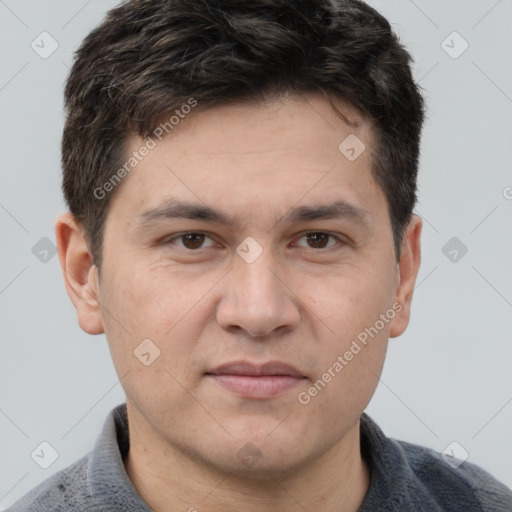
256, 380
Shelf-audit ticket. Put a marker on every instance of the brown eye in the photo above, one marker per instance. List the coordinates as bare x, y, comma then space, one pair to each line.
190, 241
193, 240
319, 240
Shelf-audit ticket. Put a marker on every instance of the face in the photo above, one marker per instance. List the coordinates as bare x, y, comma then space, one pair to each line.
281, 251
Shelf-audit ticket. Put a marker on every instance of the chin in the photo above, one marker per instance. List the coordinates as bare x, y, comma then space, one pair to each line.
267, 468
262, 457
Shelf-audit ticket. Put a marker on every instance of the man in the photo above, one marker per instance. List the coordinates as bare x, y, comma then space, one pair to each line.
241, 179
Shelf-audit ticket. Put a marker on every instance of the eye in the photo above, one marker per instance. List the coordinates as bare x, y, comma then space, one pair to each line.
194, 241
319, 239
191, 241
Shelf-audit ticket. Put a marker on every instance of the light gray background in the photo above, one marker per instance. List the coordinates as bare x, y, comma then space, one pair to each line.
448, 378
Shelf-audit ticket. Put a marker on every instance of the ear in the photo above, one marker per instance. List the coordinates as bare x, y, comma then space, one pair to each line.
408, 268
80, 274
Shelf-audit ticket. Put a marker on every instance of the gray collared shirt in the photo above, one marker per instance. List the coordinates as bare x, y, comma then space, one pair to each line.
404, 477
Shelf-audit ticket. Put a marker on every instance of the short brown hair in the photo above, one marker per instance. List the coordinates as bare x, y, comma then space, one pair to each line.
150, 57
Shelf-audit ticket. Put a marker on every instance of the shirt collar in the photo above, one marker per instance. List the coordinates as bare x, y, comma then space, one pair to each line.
113, 491
109, 484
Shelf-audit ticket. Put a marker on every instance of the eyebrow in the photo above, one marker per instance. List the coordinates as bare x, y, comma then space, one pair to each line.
184, 210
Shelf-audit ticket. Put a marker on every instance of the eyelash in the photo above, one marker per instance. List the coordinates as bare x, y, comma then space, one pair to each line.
340, 241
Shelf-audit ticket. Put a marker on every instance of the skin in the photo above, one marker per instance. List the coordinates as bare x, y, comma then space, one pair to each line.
298, 302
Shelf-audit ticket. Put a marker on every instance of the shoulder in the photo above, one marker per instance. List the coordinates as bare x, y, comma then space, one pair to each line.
413, 478
64, 491
450, 481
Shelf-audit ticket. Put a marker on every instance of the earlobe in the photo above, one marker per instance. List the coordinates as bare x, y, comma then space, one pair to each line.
407, 272
80, 274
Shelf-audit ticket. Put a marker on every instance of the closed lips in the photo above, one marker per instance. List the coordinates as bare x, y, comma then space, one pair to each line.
246, 368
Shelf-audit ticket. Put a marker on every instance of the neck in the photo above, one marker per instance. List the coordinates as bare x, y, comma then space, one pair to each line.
169, 479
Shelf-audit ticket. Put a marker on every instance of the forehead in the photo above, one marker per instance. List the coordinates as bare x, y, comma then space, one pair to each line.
252, 156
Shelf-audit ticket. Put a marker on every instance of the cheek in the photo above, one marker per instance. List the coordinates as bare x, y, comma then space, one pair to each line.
151, 336
354, 311
157, 305
350, 363
348, 301
151, 302
135, 316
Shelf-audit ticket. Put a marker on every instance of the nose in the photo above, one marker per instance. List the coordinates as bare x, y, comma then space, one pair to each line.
258, 298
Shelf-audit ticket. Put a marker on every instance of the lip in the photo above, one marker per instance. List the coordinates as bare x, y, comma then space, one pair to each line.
253, 380
254, 369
